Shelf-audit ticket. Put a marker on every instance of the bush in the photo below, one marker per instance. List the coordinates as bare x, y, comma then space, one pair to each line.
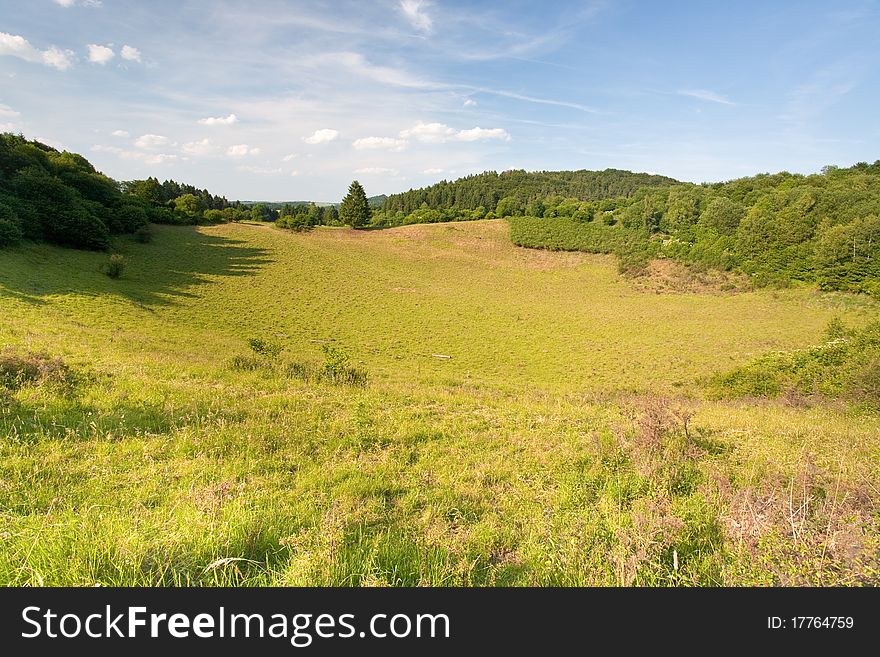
337, 370
144, 234
246, 363
33, 368
267, 348
129, 218
10, 233
116, 266
846, 366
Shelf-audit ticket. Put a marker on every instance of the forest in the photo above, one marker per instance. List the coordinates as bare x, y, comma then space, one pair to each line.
778, 229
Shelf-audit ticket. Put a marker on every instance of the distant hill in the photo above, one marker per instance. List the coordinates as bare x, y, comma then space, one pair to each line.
488, 188
277, 205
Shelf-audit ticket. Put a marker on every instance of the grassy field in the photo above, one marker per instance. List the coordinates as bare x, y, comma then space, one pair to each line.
530, 418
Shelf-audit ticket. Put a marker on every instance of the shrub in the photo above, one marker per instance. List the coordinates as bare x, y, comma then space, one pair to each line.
337, 370
144, 234
269, 349
246, 363
115, 266
33, 368
10, 233
847, 366
129, 218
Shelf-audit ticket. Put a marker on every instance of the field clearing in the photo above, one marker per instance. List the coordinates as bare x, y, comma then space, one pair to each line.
565, 439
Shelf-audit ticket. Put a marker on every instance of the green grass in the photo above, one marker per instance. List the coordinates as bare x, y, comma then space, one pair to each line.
529, 418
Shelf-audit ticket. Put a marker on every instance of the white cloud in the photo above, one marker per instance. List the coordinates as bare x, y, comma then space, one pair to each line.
708, 96
151, 141
469, 102
120, 133
479, 134
6, 110
431, 172
322, 136
131, 54
17, 46
159, 158
100, 54
377, 170
81, 3
57, 58
380, 143
294, 173
539, 101
415, 12
219, 120
8, 127
429, 133
148, 158
202, 147
440, 133
240, 150
263, 171
289, 158
358, 66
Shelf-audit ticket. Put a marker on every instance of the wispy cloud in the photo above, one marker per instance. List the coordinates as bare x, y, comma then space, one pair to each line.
130, 53
262, 171
416, 12
219, 120
538, 100
708, 96
147, 158
241, 150
17, 46
201, 147
377, 171
150, 142
440, 133
380, 143
358, 66
322, 136
6, 110
81, 3
120, 133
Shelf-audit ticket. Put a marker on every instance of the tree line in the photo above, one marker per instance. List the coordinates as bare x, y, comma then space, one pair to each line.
777, 228
477, 196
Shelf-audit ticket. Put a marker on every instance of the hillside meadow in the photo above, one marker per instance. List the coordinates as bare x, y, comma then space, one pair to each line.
528, 418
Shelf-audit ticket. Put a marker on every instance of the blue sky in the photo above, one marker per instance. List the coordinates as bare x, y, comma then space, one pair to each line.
281, 100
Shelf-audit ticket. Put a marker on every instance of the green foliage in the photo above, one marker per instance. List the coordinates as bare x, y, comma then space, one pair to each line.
779, 229
10, 230
355, 210
19, 369
845, 366
489, 188
116, 265
537, 455
144, 234
189, 207
270, 349
60, 197
633, 248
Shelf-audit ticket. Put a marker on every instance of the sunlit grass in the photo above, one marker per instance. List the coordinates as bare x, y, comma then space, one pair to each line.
523, 421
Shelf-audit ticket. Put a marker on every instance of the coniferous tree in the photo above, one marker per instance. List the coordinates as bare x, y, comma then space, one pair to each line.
355, 210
